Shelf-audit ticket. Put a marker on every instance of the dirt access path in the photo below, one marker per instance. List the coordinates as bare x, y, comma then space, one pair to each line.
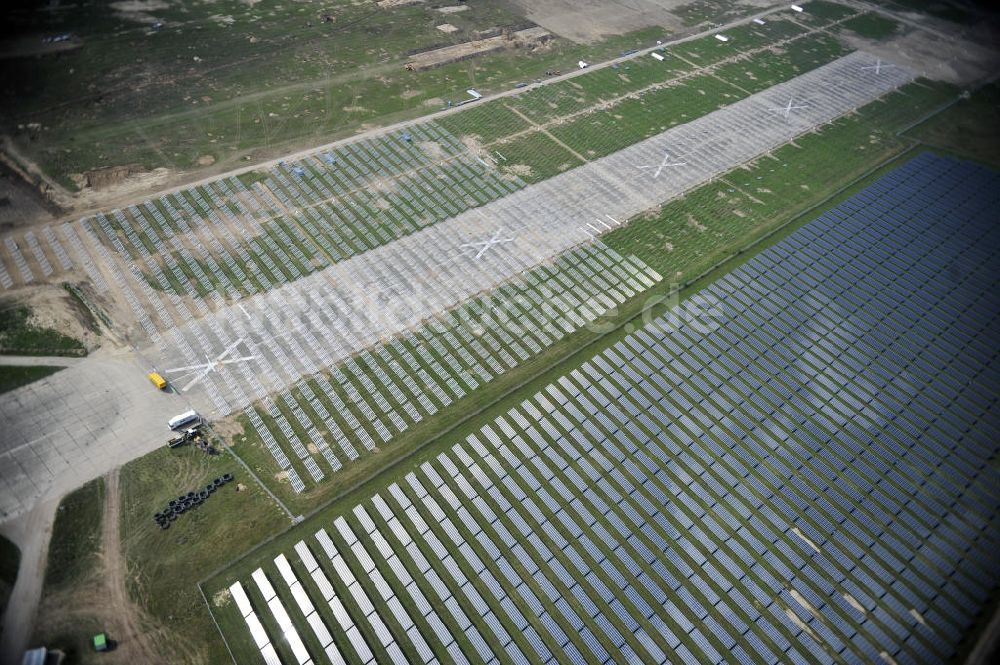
100, 597
134, 644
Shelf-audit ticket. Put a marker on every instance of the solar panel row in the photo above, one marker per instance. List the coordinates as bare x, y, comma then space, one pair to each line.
815, 495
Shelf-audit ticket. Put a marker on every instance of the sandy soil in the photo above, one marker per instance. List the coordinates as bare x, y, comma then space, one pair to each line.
53, 307
125, 191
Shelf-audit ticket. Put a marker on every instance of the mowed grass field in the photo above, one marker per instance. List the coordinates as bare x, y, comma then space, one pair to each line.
76, 536
166, 562
169, 84
20, 335
10, 559
968, 128
15, 376
71, 574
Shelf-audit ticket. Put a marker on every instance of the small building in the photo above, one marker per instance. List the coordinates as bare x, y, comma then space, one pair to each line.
100, 642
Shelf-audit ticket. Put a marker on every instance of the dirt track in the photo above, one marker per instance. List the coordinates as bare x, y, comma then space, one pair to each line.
101, 596
133, 639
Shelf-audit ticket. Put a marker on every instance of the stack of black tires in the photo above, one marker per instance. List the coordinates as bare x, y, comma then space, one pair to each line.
189, 501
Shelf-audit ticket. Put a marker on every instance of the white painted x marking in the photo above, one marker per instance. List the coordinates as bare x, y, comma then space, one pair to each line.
204, 369
877, 67
666, 163
787, 108
485, 245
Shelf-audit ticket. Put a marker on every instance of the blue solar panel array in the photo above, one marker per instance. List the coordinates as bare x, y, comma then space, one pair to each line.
849, 394
862, 352
795, 465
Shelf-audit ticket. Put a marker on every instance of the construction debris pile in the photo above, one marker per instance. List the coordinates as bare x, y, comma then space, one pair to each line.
195, 436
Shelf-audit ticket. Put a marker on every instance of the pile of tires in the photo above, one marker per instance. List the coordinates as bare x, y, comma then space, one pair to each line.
189, 501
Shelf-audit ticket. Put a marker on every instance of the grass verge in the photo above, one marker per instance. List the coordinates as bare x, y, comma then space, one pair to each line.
168, 563
15, 376
20, 336
76, 536
10, 559
967, 129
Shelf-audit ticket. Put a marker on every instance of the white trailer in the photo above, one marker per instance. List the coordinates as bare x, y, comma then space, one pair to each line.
186, 418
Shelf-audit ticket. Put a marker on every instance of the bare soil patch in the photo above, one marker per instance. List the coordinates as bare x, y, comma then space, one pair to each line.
521, 170
695, 224
52, 307
108, 176
472, 142
121, 191
432, 149
20, 203
470, 49
137, 11
585, 21
953, 60
853, 602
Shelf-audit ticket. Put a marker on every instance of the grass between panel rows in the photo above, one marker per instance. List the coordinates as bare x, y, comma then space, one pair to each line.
902, 107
